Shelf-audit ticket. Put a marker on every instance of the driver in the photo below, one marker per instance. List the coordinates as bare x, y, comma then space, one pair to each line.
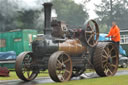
114, 33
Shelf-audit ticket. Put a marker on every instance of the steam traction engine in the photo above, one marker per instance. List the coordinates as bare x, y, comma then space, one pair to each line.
67, 53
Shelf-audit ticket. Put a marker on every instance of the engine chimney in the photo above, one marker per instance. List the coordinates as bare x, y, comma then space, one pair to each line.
47, 18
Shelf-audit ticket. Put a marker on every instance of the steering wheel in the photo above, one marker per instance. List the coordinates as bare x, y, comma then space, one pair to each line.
92, 33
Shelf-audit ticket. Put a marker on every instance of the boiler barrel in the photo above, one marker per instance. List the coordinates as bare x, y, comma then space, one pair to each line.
72, 47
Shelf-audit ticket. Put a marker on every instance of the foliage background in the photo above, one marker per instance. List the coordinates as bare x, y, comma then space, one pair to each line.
14, 14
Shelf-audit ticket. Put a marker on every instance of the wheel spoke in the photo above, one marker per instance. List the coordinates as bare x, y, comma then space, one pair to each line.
104, 61
93, 41
106, 53
59, 72
115, 56
112, 65
89, 32
106, 70
91, 28
111, 49
109, 71
67, 60
58, 67
90, 38
67, 71
107, 49
104, 56
61, 58
88, 26
28, 74
105, 65
62, 78
59, 62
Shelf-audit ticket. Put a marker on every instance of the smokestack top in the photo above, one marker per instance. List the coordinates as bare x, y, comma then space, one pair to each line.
48, 3
47, 18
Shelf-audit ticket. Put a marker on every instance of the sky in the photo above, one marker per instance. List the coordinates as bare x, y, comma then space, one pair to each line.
90, 6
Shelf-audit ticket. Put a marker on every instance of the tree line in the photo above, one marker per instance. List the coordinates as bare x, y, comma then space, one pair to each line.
112, 10
12, 17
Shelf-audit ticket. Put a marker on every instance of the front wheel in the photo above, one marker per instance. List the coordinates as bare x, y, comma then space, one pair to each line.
23, 66
60, 66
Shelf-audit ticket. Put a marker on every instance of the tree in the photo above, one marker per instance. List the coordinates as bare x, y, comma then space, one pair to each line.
8, 13
28, 19
113, 10
14, 17
70, 12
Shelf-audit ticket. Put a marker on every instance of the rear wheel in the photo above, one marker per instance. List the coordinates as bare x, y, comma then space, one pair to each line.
106, 59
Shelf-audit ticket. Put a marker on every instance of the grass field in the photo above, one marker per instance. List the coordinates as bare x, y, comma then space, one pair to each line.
13, 75
116, 80
119, 69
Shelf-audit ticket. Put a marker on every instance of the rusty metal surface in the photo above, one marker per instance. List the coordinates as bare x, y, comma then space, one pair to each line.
106, 59
92, 33
62, 53
23, 69
72, 46
60, 66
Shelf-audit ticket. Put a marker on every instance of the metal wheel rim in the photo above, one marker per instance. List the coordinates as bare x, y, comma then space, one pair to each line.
92, 33
23, 69
62, 67
110, 60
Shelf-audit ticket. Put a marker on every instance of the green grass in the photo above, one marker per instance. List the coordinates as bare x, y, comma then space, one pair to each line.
119, 69
115, 80
13, 75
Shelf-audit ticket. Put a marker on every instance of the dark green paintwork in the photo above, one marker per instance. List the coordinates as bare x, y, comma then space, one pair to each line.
17, 46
